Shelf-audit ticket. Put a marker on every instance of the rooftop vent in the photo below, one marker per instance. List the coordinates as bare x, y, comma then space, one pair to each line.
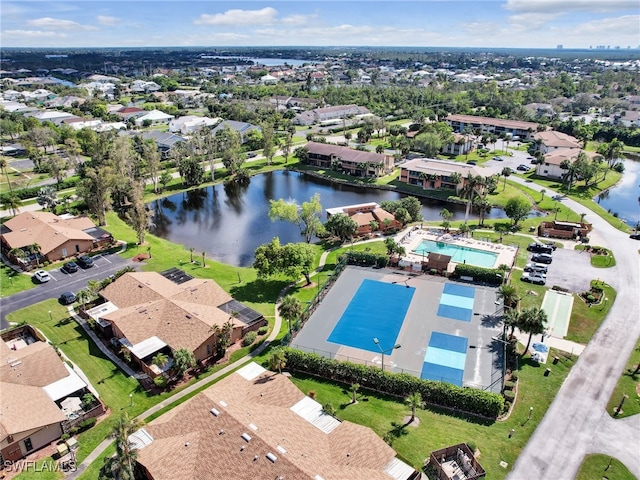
215, 411
253, 427
242, 447
281, 449
246, 437
223, 403
272, 458
221, 432
255, 458
186, 444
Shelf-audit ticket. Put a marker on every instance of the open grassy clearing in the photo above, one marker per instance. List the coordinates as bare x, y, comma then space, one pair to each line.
597, 466
439, 428
585, 321
13, 282
628, 384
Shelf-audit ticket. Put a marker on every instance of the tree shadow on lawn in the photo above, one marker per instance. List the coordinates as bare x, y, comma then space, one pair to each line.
258, 291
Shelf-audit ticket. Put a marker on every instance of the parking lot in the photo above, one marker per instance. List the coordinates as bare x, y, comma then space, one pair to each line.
571, 269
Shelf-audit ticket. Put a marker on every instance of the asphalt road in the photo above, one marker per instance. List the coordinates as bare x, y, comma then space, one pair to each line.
104, 265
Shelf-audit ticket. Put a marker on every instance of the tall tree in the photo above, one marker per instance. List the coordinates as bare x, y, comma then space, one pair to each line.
414, 400
286, 148
268, 142
95, 188
342, 226
48, 197
151, 157
292, 259
229, 144
183, 360
516, 209
122, 464
290, 309
277, 360
532, 321
473, 184
306, 217
138, 215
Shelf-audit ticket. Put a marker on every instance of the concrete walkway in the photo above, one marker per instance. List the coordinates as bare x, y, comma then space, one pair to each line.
576, 423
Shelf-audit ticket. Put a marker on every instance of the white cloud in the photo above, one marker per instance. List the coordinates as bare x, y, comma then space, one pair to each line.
106, 20
531, 20
236, 17
297, 19
627, 24
58, 24
566, 6
32, 34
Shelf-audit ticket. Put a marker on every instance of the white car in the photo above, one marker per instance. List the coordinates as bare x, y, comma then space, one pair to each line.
42, 276
538, 278
535, 267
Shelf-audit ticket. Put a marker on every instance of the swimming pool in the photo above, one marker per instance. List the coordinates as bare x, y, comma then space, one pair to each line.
458, 254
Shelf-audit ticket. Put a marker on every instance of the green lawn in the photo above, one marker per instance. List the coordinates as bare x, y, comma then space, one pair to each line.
584, 320
600, 261
597, 466
12, 282
439, 428
627, 385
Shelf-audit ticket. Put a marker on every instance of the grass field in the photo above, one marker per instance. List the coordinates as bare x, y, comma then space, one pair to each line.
13, 282
596, 467
627, 385
439, 428
584, 320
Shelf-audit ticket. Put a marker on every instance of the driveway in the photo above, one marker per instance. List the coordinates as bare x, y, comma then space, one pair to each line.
104, 265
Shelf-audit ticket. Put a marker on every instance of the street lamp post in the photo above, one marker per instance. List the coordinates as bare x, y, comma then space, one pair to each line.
131, 399
50, 316
383, 351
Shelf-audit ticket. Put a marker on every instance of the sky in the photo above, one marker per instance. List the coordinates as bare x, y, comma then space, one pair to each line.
424, 23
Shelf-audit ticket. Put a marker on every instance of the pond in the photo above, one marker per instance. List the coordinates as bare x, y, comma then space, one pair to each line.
229, 221
623, 200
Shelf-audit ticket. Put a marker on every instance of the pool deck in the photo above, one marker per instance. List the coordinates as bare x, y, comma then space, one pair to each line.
411, 238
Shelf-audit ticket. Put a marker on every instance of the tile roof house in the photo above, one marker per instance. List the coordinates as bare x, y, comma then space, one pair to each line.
366, 213
256, 424
191, 123
243, 128
551, 140
516, 128
353, 162
33, 384
151, 313
433, 174
550, 166
58, 237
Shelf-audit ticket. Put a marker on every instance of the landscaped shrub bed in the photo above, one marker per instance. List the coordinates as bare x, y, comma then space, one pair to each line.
365, 259
469, 400
490, 276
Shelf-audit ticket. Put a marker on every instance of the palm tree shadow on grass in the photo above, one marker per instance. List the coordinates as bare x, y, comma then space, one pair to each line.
397, 430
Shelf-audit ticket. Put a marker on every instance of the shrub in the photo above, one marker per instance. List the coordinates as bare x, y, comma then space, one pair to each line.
470, 400
87, 423
249, 338
160, 381
509, 385
591, 298
263, 330
472, 445
514, 377
509, 395
65, 436
491, 276
365, 259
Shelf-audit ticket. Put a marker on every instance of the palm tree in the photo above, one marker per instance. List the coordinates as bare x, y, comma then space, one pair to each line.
414, 400
506, 171
3, 168
277, 360
532, 321
13, 202
290, 309
160, 360
511, 319
455, 178
329, 409
183, 360
82, 296
35, 250
483, 206
470, 191
509, 295
354, 392
18, 253
122, 465
191, 249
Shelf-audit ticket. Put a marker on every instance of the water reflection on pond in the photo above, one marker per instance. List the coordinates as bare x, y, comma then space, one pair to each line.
230, 221
623, 200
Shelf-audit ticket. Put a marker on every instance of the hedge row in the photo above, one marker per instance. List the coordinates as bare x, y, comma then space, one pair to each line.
443, 394
365, 259
491, 276
32, 192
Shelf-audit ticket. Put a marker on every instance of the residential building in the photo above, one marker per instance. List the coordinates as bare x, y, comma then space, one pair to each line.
242, 128
287, 101
550, 166
154, 117
337, 112
256, 424
190, 123
628, 118
431, 174
128, 112
164, 140
552, 140
54, 116
40, 394
58, 237
366, 215
358, 163
140, 86
149, 312
515, 128
461, 145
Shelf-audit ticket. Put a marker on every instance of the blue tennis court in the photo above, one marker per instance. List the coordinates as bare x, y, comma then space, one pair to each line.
445, 358
377, 310
456, 302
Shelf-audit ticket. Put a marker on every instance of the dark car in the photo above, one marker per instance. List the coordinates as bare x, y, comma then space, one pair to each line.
635, 236
537, 247
542, 258
70, 267
472, 162
67, 298
522, 168
85, 261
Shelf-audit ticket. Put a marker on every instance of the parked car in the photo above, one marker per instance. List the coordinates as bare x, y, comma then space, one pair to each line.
472, 162
542, 258
42, 276
498, 159
635, 236
67, 298
70, 267
535, 267
85, 261
533, 277
537, 247
252, 155
550, 244
522, 168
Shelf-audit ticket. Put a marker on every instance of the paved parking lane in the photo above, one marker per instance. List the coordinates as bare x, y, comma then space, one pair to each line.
571, 269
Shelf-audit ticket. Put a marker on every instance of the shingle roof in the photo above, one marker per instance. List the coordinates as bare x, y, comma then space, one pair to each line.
345, 153
552, 138
497, 122
152, 305
23, 407
36, 365
440, 167
46, 229
191, 442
